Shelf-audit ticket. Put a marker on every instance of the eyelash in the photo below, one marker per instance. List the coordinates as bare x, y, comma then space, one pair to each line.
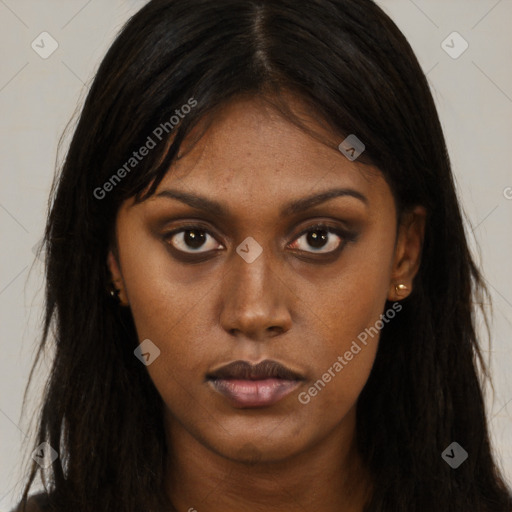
345, 236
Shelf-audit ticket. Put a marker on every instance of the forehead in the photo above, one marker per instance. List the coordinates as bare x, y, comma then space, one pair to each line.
248, 139
249, 155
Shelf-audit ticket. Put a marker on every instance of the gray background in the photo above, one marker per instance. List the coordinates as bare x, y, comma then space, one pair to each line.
39, 96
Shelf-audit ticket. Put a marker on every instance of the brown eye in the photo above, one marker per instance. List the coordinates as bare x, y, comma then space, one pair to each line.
192, 240
319, 239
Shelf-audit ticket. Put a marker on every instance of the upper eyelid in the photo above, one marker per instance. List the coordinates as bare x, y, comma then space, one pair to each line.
320, 225
211, 232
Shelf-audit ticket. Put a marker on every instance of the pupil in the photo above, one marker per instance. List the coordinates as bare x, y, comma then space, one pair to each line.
316, 240
193, 239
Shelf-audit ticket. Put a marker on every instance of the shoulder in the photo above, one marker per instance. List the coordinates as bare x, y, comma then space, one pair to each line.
35, 503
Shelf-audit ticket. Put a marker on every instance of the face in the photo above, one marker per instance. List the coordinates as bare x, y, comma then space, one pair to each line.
218, 266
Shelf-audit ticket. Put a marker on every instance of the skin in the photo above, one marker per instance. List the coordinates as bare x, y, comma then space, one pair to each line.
289, 305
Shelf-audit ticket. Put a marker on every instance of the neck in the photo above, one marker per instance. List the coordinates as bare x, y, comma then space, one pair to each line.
328, 476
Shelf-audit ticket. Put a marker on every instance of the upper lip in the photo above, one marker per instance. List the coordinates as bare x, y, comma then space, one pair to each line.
244, 370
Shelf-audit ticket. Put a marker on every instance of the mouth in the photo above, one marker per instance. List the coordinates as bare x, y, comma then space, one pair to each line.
248, 386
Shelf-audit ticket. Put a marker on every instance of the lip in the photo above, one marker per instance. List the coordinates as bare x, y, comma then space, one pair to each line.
246, 385
254, 393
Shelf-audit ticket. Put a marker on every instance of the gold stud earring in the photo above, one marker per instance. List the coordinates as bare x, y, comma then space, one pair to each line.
400, 288
114, 292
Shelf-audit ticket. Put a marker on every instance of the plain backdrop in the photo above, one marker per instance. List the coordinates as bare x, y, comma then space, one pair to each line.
472, 88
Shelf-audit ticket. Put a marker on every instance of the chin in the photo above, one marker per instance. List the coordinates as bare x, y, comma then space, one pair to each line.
257, 448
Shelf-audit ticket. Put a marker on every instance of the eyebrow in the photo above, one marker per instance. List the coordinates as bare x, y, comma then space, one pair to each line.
214, 207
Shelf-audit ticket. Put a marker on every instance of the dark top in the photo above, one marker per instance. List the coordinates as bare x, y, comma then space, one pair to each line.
35, 503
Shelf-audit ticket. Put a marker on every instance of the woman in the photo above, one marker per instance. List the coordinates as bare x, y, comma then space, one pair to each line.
258, 277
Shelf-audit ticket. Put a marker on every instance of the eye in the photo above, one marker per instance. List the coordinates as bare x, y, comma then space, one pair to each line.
192, 239
321, 238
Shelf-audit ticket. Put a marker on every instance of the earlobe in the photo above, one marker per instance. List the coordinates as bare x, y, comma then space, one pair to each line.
117, 288
407, 253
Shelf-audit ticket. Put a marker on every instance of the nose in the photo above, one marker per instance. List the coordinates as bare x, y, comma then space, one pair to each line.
256, 299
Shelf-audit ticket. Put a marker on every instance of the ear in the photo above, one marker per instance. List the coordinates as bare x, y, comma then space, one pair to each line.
407, 253
117, 277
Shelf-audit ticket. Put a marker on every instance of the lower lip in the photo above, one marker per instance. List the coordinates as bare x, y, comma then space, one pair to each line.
254, 393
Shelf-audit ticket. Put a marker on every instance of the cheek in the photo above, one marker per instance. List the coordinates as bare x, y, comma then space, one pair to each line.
348, 317
179, 330
167, 309
173, 316
160, 293
344, 354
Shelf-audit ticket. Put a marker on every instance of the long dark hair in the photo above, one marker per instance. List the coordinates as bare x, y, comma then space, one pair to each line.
350, 63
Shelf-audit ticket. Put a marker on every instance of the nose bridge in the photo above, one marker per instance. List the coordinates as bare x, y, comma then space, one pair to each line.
252, 284
254, 295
